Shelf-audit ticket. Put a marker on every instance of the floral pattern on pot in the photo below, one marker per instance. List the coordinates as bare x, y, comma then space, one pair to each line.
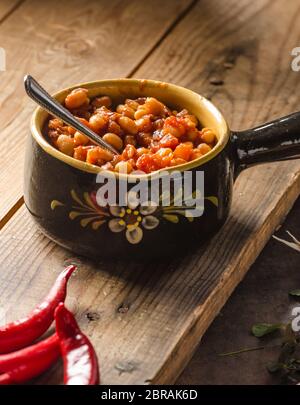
133, 219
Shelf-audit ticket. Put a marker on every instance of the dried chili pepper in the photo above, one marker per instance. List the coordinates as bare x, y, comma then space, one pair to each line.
16, 335
79, 357
25, 364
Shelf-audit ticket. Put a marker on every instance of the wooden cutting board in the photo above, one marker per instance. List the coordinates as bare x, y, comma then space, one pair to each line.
146, 320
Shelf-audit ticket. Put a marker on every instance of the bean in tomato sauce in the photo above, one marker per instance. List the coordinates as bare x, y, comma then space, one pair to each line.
148, 134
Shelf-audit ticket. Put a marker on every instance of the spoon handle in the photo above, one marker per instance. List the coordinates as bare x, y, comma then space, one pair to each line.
41, 97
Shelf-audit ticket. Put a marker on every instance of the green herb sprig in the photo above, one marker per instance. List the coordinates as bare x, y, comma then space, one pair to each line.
287, 363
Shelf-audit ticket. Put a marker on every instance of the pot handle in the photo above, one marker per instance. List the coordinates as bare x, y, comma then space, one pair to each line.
275, 141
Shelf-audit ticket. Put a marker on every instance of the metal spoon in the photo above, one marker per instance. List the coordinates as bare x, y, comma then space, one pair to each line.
36, 92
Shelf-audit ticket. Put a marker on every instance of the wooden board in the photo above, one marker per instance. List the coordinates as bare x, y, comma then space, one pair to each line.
60, 48
7, 7
149, 319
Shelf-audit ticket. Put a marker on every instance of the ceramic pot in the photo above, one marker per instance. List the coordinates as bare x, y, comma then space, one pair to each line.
60, 192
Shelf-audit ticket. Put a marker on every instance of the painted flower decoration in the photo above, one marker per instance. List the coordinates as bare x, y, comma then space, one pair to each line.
133, 218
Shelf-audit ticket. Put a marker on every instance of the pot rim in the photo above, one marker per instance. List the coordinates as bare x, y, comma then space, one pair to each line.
39, 117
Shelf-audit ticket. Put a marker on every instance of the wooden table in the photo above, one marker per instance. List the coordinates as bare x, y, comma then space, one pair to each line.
147, 319
261, 297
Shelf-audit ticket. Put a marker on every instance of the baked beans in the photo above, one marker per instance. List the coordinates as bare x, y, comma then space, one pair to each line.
148, 134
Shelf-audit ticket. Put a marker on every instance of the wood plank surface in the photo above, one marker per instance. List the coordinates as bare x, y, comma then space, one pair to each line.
261, 297
149, 318
7, 7
62, 43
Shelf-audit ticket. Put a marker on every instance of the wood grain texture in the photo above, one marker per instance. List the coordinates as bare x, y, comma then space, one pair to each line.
62, 43
149, 318
261, 297
7, 7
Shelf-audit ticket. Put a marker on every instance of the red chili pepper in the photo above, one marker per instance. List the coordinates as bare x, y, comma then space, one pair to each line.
80, 359
16, 335
5, 379
25, 364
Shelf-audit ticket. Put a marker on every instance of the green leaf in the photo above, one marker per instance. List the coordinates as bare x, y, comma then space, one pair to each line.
262, 329
295, 293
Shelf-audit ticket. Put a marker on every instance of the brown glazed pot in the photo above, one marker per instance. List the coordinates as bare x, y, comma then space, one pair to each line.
60, 191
